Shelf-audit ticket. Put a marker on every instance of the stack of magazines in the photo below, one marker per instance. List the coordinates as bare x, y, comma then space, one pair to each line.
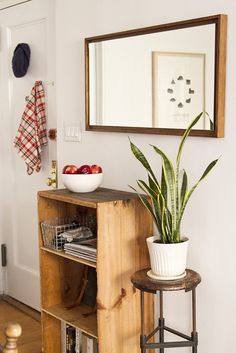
86, 249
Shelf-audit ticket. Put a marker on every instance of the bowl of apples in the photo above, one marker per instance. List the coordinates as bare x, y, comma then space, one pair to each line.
86, 178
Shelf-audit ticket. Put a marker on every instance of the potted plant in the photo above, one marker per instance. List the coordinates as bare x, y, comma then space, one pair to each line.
166, 200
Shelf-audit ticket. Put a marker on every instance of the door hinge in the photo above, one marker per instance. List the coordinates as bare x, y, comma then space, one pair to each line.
4, 255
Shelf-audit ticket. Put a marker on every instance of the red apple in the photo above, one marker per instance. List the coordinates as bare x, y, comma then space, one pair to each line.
70, 169
96, 169
84, 169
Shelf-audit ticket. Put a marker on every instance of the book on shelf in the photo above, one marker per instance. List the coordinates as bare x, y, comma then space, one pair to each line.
70, 339
92, 345
86, 249
84, 344
78, 341
73, 340
89, 344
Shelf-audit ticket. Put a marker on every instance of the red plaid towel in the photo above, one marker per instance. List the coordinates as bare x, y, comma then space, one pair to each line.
31, 135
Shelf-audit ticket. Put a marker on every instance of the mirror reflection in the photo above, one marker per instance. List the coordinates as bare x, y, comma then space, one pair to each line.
158, 80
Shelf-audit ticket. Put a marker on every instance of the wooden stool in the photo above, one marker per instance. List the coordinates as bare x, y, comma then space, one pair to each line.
141, 281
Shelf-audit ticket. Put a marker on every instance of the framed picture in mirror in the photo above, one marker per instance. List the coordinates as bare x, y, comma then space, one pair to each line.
157, 79
178, 82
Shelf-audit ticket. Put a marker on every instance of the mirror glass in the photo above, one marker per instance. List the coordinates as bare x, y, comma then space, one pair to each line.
157, 79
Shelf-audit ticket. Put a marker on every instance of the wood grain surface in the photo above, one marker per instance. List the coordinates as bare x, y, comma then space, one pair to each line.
141, 281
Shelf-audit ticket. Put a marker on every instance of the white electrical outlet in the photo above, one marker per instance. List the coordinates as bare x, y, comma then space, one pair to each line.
72, 131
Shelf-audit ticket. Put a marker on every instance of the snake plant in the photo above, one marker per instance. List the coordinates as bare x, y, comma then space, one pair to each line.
168, 197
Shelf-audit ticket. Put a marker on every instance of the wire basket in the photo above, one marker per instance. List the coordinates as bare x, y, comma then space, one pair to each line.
51, 231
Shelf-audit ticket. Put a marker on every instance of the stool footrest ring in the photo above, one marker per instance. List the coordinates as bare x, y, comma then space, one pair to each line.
169, 344
189, 341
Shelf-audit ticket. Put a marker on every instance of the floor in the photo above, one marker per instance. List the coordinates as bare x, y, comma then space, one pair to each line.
30, 341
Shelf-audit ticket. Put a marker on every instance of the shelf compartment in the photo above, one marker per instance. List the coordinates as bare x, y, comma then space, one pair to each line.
75, 317
70, 257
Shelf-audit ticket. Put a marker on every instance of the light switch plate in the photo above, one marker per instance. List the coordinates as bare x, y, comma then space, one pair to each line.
72, 131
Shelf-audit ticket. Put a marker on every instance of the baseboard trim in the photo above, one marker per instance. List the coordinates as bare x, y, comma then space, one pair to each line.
34, 314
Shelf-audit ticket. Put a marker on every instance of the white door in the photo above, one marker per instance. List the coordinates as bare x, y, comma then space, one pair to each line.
30, 22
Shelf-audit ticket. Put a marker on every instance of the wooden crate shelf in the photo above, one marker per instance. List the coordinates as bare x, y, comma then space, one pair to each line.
122, 225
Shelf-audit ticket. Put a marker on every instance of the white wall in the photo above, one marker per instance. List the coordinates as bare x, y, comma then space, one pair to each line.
209, 219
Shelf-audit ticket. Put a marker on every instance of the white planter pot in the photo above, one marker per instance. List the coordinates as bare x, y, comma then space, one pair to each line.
168, 261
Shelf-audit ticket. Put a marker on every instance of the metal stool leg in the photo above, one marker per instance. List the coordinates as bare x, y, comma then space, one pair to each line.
194, 332
161, 322
142, 336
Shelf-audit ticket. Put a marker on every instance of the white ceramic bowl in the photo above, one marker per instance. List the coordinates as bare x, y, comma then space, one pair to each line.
82, 182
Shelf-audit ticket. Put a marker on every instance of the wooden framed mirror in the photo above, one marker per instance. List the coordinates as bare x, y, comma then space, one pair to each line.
157, 79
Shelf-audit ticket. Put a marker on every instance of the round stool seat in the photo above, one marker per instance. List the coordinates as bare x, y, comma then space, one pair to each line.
143, 282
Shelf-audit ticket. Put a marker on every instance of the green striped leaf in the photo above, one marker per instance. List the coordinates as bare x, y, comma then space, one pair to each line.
185, 135
206, 172
168, 226
147, 204
170, 182
154, 203
162, 209
151, 206
148, 191
155, 187
180, 149
184, 188
164, 186
143, 160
